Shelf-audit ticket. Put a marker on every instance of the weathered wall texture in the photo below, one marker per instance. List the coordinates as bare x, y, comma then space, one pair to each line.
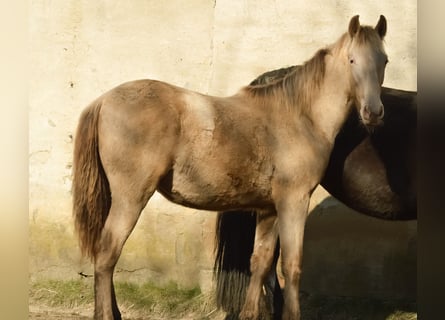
79, 49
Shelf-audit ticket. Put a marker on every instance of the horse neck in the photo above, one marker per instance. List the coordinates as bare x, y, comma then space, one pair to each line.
331, 107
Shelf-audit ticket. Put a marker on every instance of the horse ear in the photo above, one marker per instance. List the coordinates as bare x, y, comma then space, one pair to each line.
354, 25
381, 26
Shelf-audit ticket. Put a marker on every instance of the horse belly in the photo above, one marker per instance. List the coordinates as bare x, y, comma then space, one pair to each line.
211, 185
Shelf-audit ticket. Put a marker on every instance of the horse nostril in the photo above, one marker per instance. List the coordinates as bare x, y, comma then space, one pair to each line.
373, 113
366, 111
382, 112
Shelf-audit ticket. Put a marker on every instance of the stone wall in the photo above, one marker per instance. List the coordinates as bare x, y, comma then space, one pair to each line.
79, 49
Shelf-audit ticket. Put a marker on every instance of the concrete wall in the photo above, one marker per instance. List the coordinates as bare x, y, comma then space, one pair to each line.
79, 49
350, 254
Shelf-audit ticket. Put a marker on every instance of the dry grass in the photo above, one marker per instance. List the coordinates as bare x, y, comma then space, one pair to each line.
75, 298
53, 300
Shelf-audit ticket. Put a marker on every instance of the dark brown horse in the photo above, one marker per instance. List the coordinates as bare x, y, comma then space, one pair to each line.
371, 173
264, 148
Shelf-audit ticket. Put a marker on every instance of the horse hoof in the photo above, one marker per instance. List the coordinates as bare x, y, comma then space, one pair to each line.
248, 315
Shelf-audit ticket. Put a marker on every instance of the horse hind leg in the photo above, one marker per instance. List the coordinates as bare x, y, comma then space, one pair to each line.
266, 234
127, 203
273, 294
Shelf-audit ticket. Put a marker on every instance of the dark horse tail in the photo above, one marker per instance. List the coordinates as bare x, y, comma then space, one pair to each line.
235, 233
91, 191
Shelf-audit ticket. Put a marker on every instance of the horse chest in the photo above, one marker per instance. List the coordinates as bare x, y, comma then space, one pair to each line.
302, 158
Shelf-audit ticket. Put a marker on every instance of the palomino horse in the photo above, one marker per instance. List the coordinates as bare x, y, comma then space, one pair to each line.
388, 191
265, 148
371, 173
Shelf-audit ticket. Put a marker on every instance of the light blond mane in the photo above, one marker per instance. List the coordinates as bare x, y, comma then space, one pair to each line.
298, 87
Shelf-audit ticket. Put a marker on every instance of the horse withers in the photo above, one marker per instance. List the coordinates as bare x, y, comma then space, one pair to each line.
265, 148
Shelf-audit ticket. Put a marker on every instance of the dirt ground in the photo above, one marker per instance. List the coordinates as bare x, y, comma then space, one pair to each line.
55, 300
57, 313
330, 309
55, 316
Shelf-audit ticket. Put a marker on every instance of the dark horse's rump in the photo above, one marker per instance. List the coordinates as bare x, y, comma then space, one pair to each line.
382, 163
388, 155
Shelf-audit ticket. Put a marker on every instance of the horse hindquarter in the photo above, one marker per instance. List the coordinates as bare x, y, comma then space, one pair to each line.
135, 138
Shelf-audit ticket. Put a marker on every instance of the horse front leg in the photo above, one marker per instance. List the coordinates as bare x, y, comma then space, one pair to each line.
265, 240
292, 213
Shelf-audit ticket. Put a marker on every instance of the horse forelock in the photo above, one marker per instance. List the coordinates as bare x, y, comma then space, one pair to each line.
292, 86
367, 34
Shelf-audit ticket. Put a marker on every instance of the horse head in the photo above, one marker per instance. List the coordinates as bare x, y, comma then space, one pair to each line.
367, 60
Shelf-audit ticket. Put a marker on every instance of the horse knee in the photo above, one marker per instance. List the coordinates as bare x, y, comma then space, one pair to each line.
291, 272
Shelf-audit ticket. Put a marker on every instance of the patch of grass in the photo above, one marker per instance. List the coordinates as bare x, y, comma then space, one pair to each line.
55, 293
170, 300
402, 315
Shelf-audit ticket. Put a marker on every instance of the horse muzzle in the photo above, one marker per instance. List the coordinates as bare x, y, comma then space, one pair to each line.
372, 117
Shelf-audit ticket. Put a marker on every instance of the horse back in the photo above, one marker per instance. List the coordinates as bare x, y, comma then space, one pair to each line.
223, 156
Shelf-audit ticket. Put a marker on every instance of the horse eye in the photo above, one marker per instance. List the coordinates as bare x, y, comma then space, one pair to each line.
351, 61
